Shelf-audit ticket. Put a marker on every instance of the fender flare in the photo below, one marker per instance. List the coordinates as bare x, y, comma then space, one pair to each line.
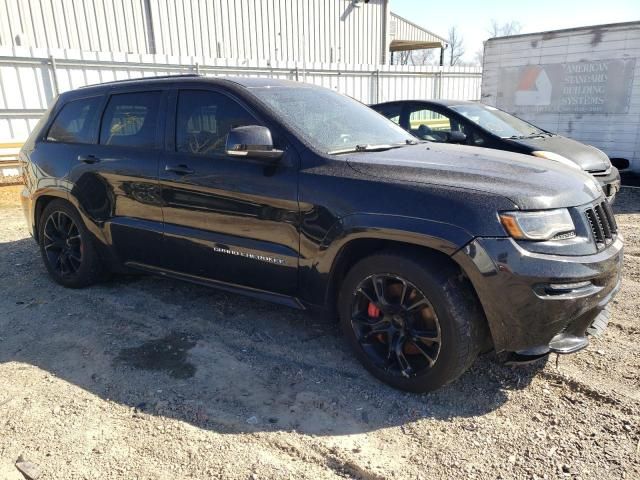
62, 194
316, 279
33, 200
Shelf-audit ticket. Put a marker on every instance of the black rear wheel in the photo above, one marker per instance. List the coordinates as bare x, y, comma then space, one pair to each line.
412, 321
62, 244
66, 246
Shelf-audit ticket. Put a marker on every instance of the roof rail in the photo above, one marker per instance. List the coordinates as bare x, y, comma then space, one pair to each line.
140, 79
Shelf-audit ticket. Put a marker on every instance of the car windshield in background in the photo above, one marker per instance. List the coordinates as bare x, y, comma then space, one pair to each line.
498, 122
333, 123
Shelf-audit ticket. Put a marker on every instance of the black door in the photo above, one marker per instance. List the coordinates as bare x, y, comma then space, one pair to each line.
116, 180
227, 219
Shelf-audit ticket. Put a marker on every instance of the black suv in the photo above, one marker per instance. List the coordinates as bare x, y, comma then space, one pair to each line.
429, 253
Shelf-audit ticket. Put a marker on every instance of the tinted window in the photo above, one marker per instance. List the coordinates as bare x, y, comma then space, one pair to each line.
131, 120
392, 112
431, 125
76, 122
205, 118
430, 119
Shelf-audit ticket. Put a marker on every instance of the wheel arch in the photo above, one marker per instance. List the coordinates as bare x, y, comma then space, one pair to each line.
41, 201
357, 236
45, 197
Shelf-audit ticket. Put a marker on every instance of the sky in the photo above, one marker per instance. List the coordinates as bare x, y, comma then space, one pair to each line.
473, 17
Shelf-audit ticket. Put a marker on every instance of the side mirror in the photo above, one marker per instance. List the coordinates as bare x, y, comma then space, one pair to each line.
456, 137
252, 141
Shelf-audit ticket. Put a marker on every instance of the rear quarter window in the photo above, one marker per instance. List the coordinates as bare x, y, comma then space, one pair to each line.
76, 122
392, 112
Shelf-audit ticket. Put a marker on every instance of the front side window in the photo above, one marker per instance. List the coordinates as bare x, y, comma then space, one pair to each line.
433, 126
331, 122
76, 122
204, 120
131, 119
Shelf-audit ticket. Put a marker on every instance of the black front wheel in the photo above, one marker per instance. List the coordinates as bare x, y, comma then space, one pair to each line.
411, 320
66, 246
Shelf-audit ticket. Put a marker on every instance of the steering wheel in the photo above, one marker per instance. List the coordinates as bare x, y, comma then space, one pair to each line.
425, 133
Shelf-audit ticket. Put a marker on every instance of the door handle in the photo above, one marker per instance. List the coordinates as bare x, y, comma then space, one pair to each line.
88, 159
179, 169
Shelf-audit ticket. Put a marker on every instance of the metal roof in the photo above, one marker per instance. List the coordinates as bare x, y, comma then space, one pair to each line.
573, 29
406, 35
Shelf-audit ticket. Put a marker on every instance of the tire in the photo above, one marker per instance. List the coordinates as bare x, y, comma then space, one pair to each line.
80, 266
451, 314
599, 324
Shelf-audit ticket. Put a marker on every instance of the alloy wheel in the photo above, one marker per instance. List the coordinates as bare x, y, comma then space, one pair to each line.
395, 325
62, 243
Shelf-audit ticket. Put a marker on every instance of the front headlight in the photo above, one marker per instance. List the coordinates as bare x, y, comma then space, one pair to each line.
539, 225
556, 158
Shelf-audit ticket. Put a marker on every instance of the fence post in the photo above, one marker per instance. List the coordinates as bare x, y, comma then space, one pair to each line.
377, 84
438, 84
297, 74
54, 75
197, 67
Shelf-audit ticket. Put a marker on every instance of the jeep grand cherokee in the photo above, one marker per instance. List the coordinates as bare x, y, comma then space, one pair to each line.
428, 253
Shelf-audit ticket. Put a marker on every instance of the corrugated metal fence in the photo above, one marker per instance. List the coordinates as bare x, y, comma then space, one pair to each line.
317, 30
31, 78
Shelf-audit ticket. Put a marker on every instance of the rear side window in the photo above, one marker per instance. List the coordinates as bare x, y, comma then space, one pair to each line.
76, 122
131, 120
204, 120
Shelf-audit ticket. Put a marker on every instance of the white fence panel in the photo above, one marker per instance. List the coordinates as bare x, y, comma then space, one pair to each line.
31, 78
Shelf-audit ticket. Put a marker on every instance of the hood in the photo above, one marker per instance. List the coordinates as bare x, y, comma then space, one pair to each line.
587, 157
529, 182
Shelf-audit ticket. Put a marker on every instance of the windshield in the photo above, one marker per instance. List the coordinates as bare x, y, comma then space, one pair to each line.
331, 122
497, 122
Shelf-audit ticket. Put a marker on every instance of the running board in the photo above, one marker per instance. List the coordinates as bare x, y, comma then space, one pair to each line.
278, 298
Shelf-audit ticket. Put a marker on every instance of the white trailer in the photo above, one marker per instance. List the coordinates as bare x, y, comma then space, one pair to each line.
583, 83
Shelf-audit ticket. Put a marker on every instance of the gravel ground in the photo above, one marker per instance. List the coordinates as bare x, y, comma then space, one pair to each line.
145, 378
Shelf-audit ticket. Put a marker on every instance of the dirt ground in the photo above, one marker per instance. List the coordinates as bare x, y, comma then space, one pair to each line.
146, 378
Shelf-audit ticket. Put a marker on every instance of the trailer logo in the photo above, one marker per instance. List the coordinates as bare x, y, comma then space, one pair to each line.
576, 87
534, 87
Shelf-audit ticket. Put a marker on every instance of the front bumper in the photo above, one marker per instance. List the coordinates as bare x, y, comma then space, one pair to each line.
537, 303
610, 183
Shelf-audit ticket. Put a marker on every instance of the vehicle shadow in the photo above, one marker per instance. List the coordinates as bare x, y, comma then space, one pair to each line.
216, 360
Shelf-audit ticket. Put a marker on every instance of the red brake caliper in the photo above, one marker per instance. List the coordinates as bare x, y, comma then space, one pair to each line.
374, 312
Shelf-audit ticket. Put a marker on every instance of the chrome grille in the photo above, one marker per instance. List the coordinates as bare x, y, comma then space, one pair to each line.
602, 223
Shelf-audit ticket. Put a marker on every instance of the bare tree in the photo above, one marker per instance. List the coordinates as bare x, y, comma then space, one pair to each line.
456, 46
422, 57
479, 56
505, 29
498, 30
403, 57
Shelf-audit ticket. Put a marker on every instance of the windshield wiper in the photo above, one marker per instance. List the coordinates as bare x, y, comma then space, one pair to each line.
373, 148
